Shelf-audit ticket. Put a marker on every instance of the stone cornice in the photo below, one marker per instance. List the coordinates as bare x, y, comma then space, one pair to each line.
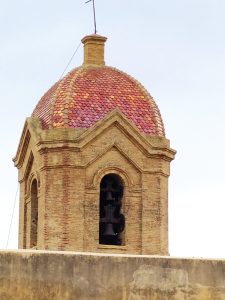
151, 146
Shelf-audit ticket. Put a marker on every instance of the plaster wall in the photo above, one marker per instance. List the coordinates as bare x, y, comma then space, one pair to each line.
42, 275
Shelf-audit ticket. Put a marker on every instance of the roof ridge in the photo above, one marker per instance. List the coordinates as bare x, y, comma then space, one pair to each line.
156, 110
68, 99
55, 95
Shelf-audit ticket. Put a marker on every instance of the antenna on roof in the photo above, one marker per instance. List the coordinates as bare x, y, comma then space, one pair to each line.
93, 1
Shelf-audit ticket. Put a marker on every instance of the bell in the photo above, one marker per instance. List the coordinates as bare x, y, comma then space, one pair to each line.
109, 197
109, 231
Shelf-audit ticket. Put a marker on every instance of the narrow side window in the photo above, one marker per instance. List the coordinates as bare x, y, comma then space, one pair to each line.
34, 214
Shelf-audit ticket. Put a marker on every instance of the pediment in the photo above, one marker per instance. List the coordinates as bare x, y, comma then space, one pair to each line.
29, 132
23, 146
113, 160
150, 146
115, 119
118, 149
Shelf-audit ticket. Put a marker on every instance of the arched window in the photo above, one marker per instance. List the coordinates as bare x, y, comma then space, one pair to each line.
34, 214
111, 220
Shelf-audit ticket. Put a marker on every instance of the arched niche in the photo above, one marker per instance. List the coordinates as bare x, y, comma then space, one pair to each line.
34, 214
111, 219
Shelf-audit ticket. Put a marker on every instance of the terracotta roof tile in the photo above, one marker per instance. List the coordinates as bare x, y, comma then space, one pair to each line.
87, 94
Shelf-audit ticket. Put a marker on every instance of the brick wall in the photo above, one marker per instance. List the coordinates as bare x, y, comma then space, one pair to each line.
69, 166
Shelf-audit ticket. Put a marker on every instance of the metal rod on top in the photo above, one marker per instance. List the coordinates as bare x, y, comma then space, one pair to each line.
95, 23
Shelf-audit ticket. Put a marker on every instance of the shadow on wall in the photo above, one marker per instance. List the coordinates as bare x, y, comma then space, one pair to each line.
156, 283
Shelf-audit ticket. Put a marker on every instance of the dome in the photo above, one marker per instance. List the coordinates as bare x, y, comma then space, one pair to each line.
88, 93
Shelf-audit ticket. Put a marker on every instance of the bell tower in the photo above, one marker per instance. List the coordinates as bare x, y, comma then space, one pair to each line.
94, 164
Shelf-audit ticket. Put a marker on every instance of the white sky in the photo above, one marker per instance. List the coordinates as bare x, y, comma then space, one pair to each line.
175, 48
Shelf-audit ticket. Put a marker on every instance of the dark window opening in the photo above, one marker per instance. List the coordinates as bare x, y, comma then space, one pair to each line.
25, 227
34, 214
112, 221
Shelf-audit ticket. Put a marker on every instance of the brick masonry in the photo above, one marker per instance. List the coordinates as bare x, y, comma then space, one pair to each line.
69, 165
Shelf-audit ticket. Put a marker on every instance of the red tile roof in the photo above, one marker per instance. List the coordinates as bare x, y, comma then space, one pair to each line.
87, 94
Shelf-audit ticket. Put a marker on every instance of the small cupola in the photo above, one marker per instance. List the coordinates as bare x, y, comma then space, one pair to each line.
94, 164
94, 50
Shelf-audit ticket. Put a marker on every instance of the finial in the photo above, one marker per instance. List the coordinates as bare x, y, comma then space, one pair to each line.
93, 2
94, 49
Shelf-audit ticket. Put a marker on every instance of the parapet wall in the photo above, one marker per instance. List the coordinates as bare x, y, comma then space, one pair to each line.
41, 275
